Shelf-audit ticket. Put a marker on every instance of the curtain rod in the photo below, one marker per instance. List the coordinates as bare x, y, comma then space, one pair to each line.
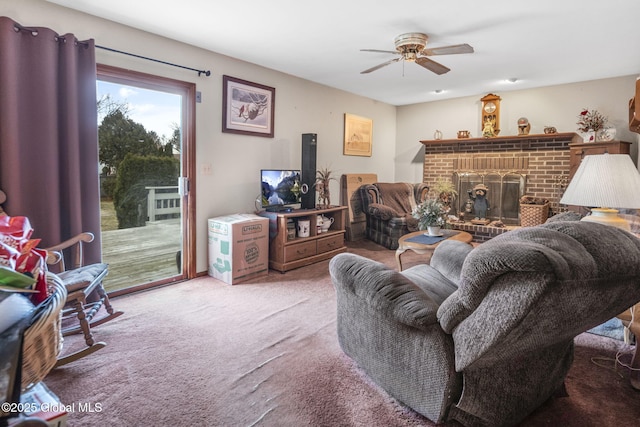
200, 72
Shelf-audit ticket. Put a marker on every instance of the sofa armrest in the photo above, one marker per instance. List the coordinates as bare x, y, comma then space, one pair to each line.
368, 193
386, 291
420, 192
382, 212
448, 258
406, 221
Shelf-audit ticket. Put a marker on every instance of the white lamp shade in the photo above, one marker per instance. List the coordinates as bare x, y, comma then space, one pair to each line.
605, 180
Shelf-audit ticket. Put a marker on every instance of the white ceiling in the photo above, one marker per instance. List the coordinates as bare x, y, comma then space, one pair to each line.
540, 43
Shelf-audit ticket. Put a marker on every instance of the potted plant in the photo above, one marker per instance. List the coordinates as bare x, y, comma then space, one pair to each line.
323, 177
446, 192
431, 216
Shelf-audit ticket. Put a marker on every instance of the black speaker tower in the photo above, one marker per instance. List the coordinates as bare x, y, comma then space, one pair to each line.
309, 143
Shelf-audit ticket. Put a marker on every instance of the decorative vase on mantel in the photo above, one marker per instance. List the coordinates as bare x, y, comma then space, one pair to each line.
606, 134
601, 135
588, 136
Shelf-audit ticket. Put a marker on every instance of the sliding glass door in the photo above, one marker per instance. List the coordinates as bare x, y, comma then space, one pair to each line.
145, 144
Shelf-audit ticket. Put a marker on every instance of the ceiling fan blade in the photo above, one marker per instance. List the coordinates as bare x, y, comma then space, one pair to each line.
379, 51
449, 50
384, 64
432, 65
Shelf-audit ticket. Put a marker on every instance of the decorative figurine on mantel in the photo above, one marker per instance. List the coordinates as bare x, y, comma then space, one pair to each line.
488, 131
523, 126
480, 204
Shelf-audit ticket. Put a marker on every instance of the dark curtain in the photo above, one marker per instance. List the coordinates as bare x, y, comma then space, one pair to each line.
49, 133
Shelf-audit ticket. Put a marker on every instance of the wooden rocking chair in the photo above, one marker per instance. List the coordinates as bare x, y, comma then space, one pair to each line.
81, 282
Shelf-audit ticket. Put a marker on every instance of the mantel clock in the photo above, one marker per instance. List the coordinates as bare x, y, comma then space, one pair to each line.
491, 112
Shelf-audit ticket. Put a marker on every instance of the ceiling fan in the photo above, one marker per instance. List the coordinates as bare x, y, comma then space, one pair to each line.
411, 47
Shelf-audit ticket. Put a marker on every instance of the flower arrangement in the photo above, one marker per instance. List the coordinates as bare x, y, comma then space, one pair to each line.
430, 213
591, 120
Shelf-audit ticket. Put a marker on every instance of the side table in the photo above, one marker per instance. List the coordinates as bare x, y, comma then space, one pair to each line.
405, 244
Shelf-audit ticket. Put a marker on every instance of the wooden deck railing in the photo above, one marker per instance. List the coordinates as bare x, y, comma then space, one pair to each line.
162, 203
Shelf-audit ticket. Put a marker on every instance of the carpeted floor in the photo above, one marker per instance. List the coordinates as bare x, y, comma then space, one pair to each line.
265, 353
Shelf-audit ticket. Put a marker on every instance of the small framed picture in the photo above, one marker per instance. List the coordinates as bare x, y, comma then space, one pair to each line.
247, 108
358, 133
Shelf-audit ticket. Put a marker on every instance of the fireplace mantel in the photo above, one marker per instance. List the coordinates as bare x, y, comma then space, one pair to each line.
525, 140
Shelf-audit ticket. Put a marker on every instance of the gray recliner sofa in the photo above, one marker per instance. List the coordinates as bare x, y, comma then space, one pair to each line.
484, 336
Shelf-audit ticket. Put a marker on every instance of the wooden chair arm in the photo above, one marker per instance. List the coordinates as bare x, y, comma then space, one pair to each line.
82, 237
53, 257
55, 253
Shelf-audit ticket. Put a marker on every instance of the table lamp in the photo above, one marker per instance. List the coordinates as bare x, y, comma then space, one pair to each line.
604, 182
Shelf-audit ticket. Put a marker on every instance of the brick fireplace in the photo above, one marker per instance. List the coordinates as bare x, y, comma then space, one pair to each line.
535, 165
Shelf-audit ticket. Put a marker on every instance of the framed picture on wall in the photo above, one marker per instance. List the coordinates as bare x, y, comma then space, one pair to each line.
247, 108
358, 133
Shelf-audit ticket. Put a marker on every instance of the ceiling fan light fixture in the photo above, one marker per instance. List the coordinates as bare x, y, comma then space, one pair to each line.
410, 56
411, 47
415, 41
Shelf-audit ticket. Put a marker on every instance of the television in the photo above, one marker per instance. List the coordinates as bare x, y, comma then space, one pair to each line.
281, 188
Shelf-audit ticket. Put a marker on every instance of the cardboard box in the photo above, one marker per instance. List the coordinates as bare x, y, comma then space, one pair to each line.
357, 221
238, 247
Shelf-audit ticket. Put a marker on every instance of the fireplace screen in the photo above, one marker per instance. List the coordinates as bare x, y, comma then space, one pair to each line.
505, 190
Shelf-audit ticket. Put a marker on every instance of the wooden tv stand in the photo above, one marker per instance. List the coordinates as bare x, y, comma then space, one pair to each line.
286, 254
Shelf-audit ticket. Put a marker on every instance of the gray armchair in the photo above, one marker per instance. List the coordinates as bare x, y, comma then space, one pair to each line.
387, 208
484, 336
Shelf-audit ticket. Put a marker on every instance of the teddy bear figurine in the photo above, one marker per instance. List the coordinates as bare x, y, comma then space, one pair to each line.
480, 201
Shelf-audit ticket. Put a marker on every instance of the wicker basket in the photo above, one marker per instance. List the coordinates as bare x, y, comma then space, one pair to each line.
43, 339
532, 215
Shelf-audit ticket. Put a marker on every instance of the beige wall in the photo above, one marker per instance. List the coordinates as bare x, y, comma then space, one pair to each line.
305, 107
556, 106
236, 160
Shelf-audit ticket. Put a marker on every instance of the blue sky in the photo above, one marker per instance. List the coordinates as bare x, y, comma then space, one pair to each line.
156, 111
